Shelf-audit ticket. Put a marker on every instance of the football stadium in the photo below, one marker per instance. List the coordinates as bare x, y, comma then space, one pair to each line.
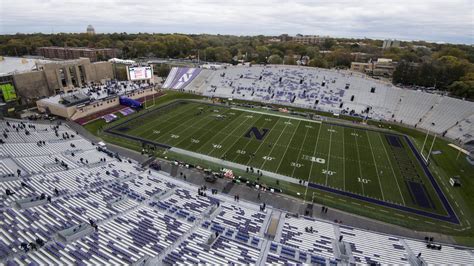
212, 149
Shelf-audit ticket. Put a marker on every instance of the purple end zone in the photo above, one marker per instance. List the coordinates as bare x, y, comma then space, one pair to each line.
419, 192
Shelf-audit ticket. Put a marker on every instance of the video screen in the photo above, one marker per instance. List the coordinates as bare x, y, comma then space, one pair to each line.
138, 73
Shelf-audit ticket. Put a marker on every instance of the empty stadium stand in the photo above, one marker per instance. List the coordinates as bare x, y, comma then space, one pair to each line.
103, 209
335, 91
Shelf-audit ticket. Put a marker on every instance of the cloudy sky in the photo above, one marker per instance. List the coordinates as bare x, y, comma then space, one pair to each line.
432, 20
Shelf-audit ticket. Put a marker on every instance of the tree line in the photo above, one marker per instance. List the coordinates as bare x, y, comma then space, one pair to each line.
445, 67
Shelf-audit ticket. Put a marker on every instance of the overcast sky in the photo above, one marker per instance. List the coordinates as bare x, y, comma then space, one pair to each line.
431, 20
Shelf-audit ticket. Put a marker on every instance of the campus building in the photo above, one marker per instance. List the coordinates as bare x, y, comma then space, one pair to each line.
390, 43
381, 67
66, 53
33, 79
309, 39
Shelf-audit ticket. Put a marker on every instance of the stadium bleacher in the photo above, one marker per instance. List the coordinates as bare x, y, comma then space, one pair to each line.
107, 210
335, 91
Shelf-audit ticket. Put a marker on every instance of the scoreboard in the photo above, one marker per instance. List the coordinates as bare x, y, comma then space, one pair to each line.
8, 92
140, 73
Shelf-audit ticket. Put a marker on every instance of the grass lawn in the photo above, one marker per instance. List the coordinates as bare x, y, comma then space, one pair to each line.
371, 166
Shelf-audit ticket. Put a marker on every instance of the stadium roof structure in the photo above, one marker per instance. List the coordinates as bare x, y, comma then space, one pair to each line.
74, 99
14, 65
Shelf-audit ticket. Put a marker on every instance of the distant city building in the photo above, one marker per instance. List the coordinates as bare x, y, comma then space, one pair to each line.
285, 38
90, 30
382, 67
274, 40
390, 43
361, 57
78, 52
309, 39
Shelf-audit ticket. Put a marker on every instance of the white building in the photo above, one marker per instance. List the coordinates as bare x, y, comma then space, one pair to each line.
390, 43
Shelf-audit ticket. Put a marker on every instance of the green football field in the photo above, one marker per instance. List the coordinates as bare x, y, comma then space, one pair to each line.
373, 164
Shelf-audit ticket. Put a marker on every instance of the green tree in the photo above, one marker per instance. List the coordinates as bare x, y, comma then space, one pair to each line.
328, 43
318, 62
463, 89
275, 59
162, 71
263, 53
339, 58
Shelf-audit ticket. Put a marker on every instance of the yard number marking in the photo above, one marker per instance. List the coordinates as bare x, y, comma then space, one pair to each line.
297, 165
328, 172
268, 158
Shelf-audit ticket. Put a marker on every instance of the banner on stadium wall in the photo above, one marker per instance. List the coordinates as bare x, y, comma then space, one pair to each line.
8, 92
180, 77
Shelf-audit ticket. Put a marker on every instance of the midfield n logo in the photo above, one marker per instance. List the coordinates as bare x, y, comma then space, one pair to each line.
258, 135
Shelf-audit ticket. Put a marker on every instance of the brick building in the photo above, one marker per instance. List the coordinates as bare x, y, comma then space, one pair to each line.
77, 52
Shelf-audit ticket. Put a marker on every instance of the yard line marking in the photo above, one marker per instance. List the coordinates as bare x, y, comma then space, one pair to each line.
375, 164
384, 211
237, 139
186, 128
287, 146
299, 153
197, 129
329, 155
151, 125
273, 146
343, 161
393, 171
261, 143
230, 134
169, 123
250, 140
209, 140
355, 203
409, 217
429, 222
311, 168
358, 160
273, 114
397, 214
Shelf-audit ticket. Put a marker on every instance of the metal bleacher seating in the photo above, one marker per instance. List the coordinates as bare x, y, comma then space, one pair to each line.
145, 217
335, 91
